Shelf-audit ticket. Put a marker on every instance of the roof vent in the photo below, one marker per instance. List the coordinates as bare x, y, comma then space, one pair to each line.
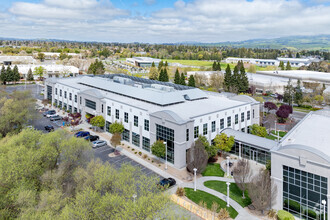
186, 97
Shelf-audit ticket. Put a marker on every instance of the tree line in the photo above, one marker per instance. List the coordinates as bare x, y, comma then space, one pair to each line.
237, 80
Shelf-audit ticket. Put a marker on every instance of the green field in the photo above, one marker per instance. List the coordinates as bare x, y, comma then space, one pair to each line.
234, 192
213, 169
199, 196
191, 62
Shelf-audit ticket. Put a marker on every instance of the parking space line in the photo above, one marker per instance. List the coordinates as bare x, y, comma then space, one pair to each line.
104, 150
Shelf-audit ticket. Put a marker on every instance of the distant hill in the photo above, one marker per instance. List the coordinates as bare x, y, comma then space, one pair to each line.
319, 42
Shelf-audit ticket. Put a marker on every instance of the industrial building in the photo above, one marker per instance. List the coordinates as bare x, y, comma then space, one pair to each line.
294, 62
143, 61
151, 110
11, 60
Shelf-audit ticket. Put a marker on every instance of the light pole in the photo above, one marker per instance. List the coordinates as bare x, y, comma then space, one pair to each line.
134, 197
95, 126
228, 166
228, 184
324, 203
195, 170
165, 143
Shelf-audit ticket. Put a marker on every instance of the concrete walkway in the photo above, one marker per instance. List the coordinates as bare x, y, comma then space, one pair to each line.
243, 214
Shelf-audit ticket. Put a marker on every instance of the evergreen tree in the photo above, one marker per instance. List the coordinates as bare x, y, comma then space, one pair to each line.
182, 79
235, 80
10, 76
177, 77
191, 81
218, 67
281, 65
96, 68
298, 95
243, 81
153, 64
16, 76
297, 55
30, 75
288, 66
165, 75
160, 65
161, 75
166, 64
288, 93
3, 76
227, 78
214, 66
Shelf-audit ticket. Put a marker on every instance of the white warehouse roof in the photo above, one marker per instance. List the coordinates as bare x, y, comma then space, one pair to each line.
299, 74
52, 69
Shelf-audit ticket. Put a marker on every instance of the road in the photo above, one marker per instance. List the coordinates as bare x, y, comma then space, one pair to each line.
34, 88
298, 115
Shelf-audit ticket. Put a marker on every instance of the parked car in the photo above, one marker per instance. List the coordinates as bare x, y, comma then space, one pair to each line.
50, 115
55, 118
82, 134
92, 138
50, 112
99, 143
49, 128
167, 182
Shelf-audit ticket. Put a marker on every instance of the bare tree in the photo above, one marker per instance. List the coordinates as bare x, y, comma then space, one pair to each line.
262, 192
197, 157
115, 140
200, 80
242, 174
216, 80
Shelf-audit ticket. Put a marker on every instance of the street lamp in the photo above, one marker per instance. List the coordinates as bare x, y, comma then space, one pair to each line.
134, 197
324, 203
195, 184
165, 143
94, 116
228, 174
228, 184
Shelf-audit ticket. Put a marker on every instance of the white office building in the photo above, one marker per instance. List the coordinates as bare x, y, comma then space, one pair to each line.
143, 61
152, 110
294, 62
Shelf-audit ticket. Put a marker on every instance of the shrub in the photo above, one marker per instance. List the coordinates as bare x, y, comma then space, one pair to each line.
128, 147
272, 214
135, 153
180, 191
133, 149
310, 213
148, 158
140, 153
223, 214
292, 205
144, 156
152, 161
284, 215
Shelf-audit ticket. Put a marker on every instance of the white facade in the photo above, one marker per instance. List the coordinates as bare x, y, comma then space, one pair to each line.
294, 62
143, 61
181, 117
49, 70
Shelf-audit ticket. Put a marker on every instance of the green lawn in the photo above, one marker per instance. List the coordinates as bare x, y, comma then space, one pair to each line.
213, 169
234, 192
209, 199
271, 137
191, 62
282, 133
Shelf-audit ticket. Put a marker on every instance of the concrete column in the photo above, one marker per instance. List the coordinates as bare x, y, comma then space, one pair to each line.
240, 150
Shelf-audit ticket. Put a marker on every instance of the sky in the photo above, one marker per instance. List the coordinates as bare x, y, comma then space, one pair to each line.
163, 21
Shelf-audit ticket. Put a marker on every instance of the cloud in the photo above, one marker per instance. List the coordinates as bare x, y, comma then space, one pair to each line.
150, 2
198, 20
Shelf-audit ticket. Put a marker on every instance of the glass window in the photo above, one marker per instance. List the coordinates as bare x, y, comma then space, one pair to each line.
117, 114
213, 126
75, 110
205, 129
146, 124
187, 134
248, 115
60, 92
126, 135
80, 100
55, 91
136, 121
242, 116
253, 113
146, 144
136, 139
236, 119
107, 126
126, 117
229, 121
108, 110
75, 98
65, 94
196, 132
70, 96
166, 134
90, 104
70, 108
102, 108
222, 123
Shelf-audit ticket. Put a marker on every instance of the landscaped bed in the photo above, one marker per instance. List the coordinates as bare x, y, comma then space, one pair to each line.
213, 169
234, 192
199, 196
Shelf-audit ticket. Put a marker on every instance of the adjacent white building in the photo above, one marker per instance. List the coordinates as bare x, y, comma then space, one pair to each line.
294, 62
152, 110
143, 61
9, 60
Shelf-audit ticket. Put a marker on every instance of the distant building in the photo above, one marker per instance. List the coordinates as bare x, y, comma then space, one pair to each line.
10, 60
142, 61
54, 55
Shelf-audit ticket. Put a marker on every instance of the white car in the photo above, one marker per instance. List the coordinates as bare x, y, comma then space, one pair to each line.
51, 115
99, 143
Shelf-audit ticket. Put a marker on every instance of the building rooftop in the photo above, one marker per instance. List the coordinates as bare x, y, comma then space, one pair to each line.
311, 134
299, 74
251, 139
145, 59
26, 59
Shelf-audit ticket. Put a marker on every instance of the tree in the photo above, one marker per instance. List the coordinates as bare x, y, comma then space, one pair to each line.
191, 81
228, 79
182, 79
210, 149
288, 93
252, 68
223, 142
258, 130
153, 72
318, 98
270, 106
262, 192
39, 71
16, 76
163, 77
41, 56
283, 113
197, 157
96, 68
115, 139
116, 127
3, 76
10, 76
218, 66
288, 66
214, 66
281, 65
29, 75
160, 65
216, 80
98, 121
243, 81
242, 174
298, 95
235, 80
177, 76
297, 55
158, 149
